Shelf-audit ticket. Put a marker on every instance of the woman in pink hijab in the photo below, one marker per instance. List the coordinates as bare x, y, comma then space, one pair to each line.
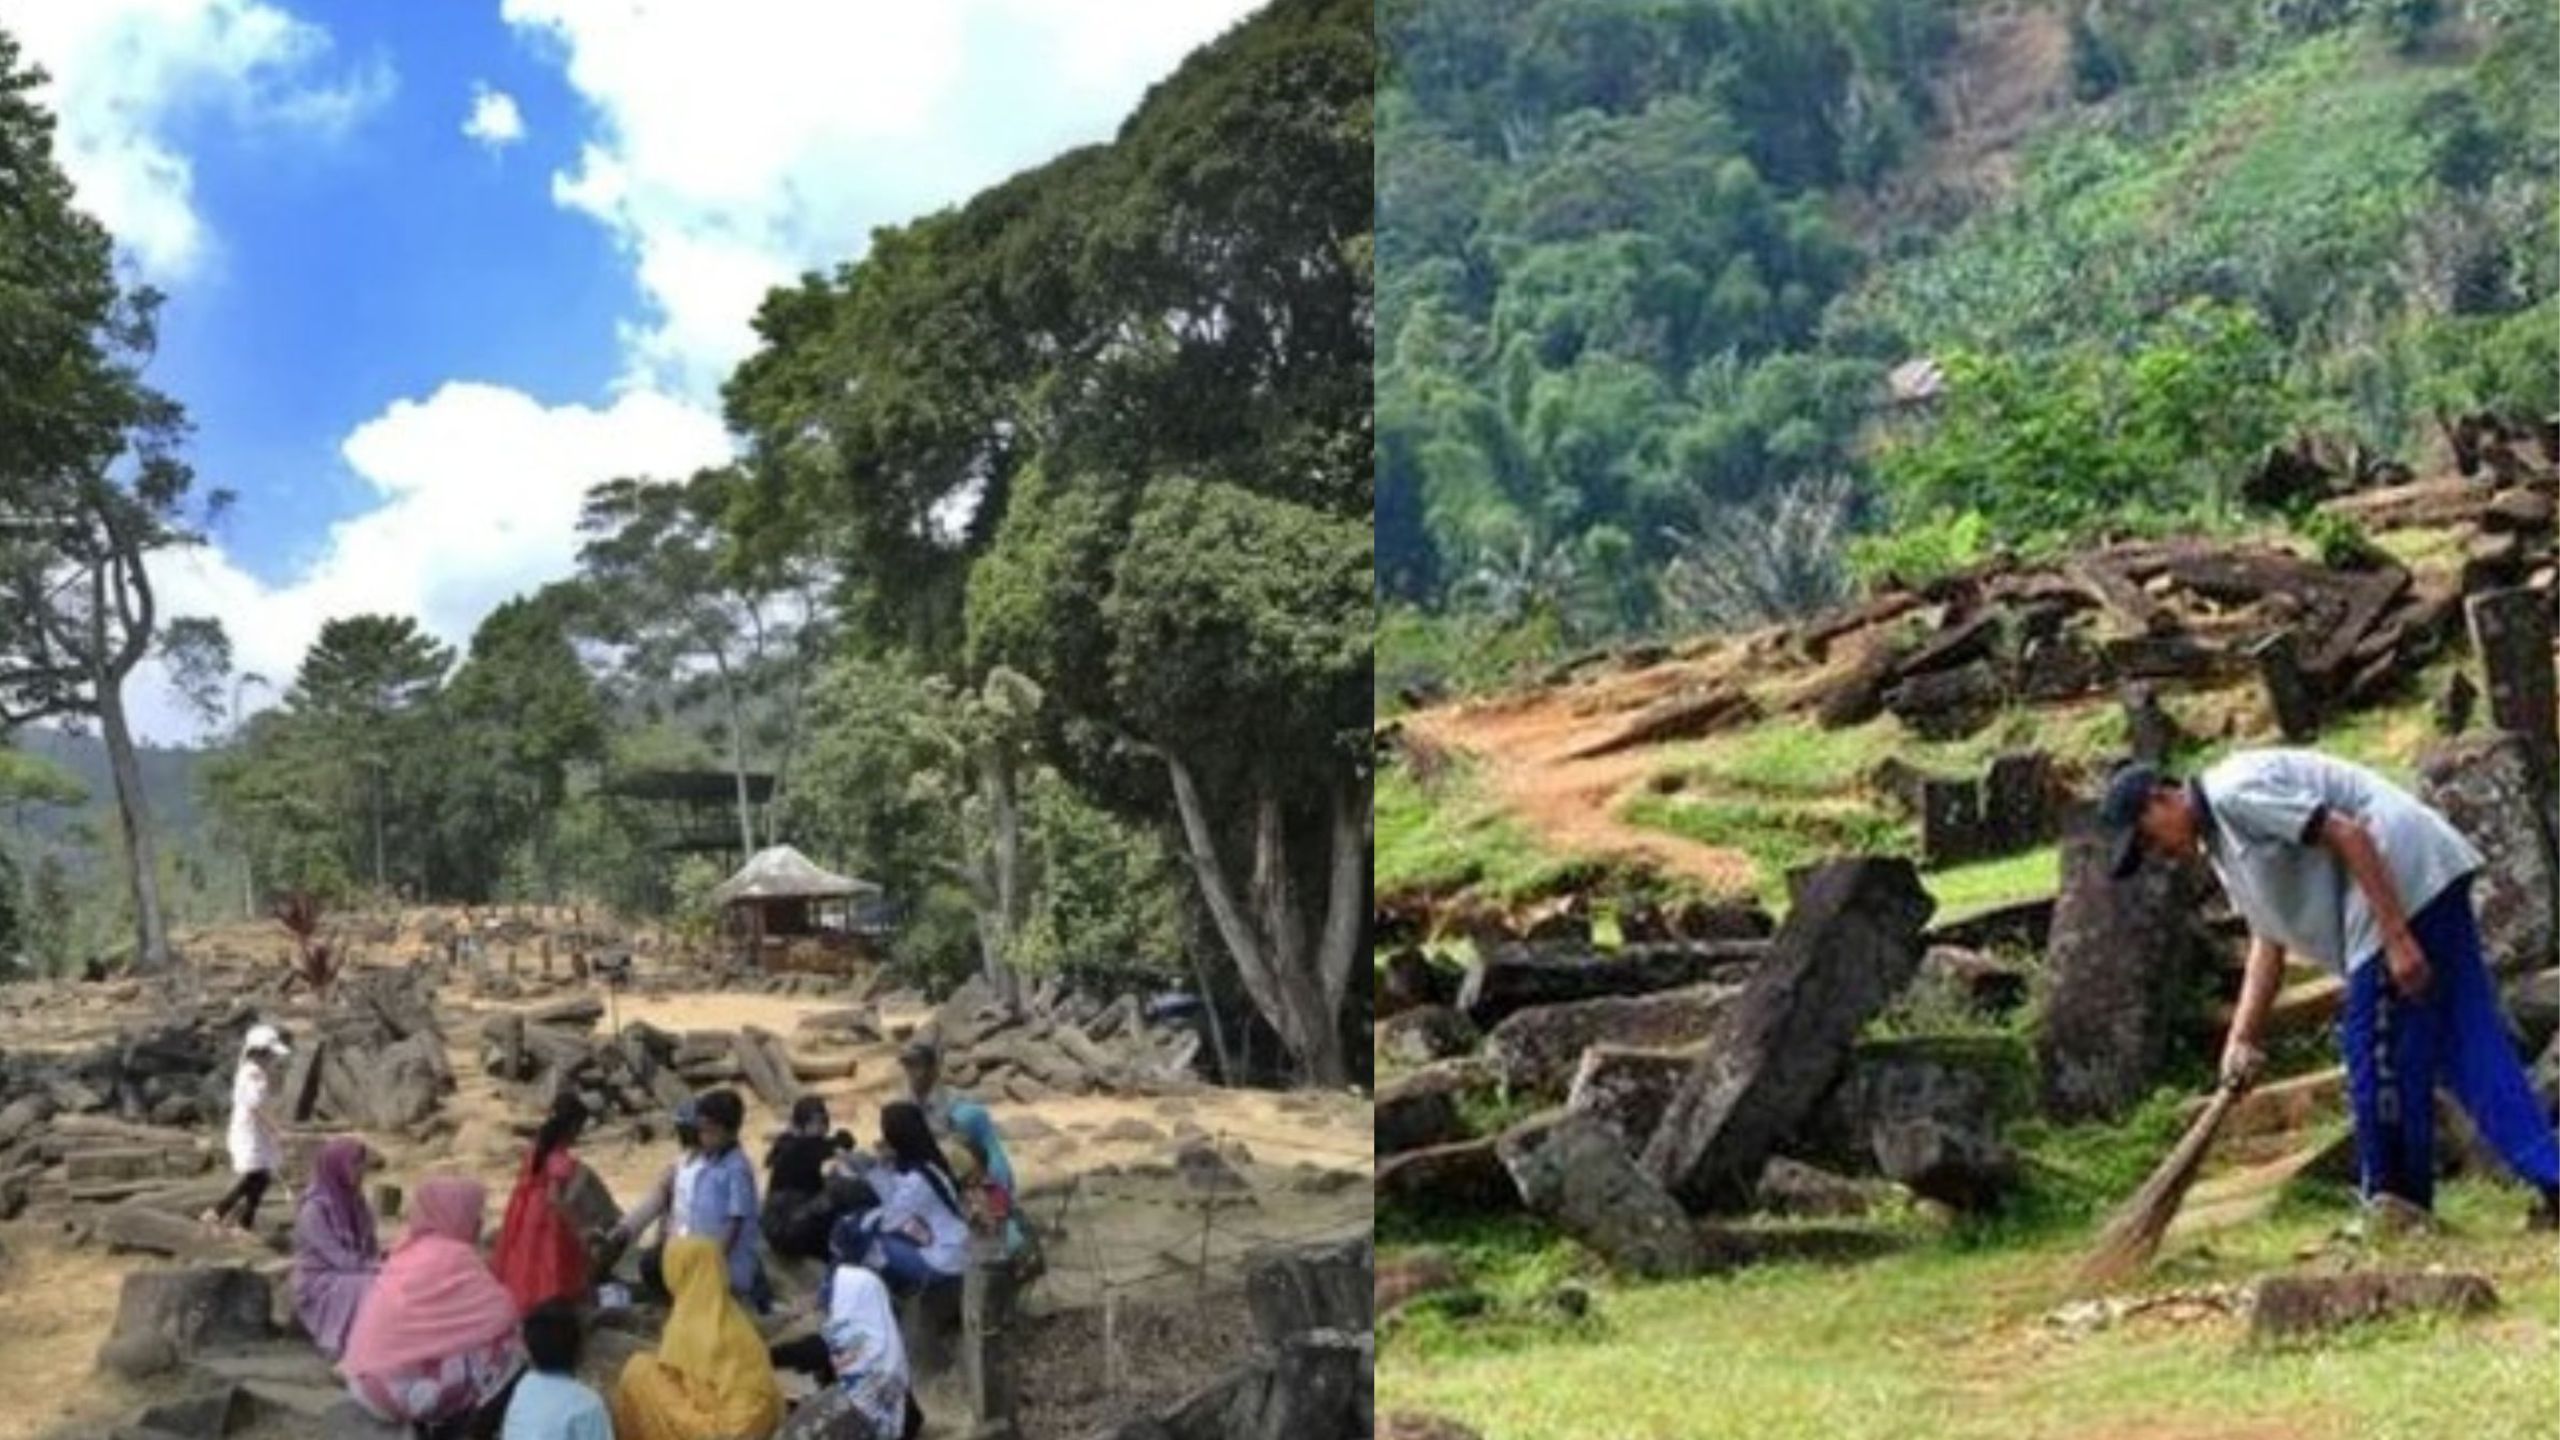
436, 1337
335, 1254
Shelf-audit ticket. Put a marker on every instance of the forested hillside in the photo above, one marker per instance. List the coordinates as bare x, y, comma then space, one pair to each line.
1650, 276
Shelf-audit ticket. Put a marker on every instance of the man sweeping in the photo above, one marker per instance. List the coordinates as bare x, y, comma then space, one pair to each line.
2327, 859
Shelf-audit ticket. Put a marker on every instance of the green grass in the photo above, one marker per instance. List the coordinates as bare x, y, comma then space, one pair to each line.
1963, 889
1446, 837
1777, 835
1948, 1341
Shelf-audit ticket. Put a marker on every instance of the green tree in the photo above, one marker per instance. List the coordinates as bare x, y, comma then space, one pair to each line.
689, 608
523, 709
366, 683
92, 479
1013, 400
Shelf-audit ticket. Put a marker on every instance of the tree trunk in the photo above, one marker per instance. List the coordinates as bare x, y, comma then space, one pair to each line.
738, 764
1293, 983
133, 818
381, 867
1004, 813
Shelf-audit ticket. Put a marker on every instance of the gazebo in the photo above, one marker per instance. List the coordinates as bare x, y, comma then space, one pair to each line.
788, 914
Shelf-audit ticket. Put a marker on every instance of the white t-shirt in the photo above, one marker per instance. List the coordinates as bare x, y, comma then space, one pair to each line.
907, 1195
252, 1147
2263, 810
680, 1200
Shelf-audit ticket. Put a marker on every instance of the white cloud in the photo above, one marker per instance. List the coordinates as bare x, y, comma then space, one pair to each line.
494, 120
479, 488
736, 146
123, 72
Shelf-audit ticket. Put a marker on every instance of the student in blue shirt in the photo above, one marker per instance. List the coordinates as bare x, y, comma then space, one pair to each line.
549, 1403
723, 1208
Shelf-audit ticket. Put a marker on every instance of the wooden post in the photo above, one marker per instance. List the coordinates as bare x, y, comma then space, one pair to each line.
986, 1339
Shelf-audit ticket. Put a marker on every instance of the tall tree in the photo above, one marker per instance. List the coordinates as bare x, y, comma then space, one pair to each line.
1158, 349
524, 703
690, 610
366, 680
91, 478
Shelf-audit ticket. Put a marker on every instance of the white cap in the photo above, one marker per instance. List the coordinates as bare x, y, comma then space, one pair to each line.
265, 1037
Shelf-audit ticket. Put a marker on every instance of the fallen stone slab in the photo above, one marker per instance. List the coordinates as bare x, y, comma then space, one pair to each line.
210, 1415
1726, 1246
1961, 1169
1466, 1178
1629, 1088
154, 1231
1518, 977
1536, 1051
1575, 1170
347, 1420
1848, 947
2021, 927
1793, 1188
580, 1013
2302, 1307
1421, 1109
194, 1309
1421, 1035
1292, 1289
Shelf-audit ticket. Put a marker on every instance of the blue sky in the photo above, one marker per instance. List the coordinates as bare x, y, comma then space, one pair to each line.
434, 268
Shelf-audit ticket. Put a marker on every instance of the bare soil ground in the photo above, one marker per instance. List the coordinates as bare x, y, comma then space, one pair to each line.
1524, 747
1098, 1169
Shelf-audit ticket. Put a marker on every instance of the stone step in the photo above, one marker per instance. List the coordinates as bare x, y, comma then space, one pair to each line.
2293, 1104
2300, 1006
2243, 1196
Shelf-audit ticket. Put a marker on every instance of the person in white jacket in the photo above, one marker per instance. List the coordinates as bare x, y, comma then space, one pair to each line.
257, 1146
919, 1232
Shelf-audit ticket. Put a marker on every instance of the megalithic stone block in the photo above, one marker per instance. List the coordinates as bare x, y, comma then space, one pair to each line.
1851, 943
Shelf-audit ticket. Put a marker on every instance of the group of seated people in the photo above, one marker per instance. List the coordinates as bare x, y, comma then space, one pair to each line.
432, 1336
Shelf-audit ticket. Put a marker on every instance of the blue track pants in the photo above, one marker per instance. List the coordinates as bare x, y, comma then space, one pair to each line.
2398, 1052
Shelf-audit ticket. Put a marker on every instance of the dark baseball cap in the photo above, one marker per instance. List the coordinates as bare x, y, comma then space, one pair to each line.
2120, 813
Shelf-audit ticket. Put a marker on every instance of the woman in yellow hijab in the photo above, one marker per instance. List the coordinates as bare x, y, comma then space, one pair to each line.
711, 1379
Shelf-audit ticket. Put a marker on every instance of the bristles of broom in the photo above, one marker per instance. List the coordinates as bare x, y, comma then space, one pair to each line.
2133, 1233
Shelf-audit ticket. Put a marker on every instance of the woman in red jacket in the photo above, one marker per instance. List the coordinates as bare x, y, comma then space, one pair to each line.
540, 1255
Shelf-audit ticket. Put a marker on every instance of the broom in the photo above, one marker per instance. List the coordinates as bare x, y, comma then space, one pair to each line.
2133, 1233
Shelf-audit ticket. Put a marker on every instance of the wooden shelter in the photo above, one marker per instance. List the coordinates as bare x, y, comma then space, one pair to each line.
786, 913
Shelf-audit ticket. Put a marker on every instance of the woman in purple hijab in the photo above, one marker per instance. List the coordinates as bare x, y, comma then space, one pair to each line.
335, 1255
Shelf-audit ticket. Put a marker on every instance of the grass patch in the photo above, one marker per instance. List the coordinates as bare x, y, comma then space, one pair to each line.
1445, 837
1778, 836
1964, 889
1947, 1341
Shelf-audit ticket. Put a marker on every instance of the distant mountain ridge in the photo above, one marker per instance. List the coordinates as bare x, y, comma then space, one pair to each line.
168, 781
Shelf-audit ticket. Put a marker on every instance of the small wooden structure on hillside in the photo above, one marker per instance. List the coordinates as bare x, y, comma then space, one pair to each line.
785, 913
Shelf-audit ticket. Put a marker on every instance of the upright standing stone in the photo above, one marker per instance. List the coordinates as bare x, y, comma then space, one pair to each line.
1950, 821
2149, 732
2289, 693
986, 1338
2017, 812
1849, 946
2511, 630
2119, 961
2484, 784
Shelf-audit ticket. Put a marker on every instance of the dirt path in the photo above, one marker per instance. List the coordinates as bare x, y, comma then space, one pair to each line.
1524, 750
